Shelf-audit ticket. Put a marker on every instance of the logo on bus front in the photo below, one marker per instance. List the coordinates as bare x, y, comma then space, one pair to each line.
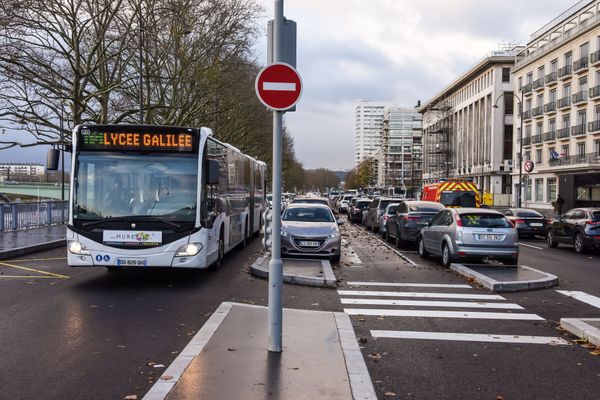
132, 238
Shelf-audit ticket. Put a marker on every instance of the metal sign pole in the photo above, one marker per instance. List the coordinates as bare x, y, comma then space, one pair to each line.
276, 265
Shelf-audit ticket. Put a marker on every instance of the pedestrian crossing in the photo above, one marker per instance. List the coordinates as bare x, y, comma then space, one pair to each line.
432, 300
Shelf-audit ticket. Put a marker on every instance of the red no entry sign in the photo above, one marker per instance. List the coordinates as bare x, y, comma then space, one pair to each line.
528, 166
278, 86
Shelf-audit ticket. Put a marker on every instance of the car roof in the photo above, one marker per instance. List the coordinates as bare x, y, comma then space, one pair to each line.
305, 205
424, 202
473, 210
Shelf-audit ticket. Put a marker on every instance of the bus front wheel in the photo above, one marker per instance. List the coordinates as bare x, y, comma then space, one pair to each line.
221, 252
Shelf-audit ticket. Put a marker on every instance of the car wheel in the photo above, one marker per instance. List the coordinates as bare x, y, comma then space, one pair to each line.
399, 241
550, 239
421, 248
335, 259
446, 256
578, 243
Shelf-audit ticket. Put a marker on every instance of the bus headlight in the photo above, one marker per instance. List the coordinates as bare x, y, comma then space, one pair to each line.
188, 250
77, 248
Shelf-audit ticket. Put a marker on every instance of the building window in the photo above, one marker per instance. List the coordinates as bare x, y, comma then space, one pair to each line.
538, 156
550, 190
568, 58
564, 150
505, 74
584, 50
581, 117
540, 100
567, 91
583, 84
539, 190
553, 65
551, 125
528, 190
520, 85
538, 128
530, 77
597, 148
566, 121
580, 150
552, 96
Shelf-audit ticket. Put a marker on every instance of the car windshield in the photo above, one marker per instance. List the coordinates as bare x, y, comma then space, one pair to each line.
425, 209
458, 199
384, 203
474, 220
595, 216
307, 214
362, 205
529, 213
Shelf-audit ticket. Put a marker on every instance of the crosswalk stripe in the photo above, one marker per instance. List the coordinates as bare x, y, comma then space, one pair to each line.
420, 303
442, 314
395, 284
469, 337
582, 296
421, 294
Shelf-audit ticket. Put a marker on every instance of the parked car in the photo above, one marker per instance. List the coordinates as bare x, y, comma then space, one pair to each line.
389, 210
465, 234
376, 209
310, 230
527, 221
355, 212
579, 227
310, 200
410, 218
343, 204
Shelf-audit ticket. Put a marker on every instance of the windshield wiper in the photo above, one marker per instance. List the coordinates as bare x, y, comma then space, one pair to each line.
131, 218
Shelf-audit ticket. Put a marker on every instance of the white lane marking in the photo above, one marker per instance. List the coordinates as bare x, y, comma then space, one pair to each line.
420, 294
280, 86
470, 337
442, 314
532, 246
394, 284
424, 303
582, 296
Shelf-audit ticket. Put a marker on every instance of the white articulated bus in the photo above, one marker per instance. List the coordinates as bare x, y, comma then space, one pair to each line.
159, 196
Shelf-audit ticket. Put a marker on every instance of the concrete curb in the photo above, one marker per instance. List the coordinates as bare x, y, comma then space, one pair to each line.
511, 286
20, 251
579, 327
260, 268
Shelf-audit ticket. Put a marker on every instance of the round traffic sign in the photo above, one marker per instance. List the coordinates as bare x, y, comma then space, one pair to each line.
278, 86
528, 166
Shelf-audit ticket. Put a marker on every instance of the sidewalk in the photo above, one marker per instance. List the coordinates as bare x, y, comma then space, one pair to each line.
18, 243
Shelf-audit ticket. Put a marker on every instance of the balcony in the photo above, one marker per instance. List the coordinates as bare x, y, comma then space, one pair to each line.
578, 130
549, 136
595, 58
526, 114
581, 65
563, 103
595, 93
538, 84
563, 133
594, 126
588, 158
551, 78
564, 72
536, 139
527, 88
580, 97
550, 108
526, 141
537, 112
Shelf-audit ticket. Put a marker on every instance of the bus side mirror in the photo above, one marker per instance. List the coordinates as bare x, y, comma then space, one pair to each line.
212, 174
52, 159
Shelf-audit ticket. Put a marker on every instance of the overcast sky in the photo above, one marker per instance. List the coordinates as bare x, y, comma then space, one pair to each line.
396, 51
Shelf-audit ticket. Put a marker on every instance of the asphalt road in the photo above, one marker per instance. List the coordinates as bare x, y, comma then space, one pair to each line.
92, 334
443, 367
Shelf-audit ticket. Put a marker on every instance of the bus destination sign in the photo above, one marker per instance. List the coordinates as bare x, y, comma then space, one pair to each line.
137, 141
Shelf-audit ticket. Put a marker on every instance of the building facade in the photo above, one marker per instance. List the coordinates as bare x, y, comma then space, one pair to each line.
368, 125
8, 169
468, 127
399, 158
557, 76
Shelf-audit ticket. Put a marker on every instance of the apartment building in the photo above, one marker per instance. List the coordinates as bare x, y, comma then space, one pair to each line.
369, 122
557, 76
399, 158
7, 169
468, 127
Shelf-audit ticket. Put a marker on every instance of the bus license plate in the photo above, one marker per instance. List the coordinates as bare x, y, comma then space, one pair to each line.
306, 243
489, 237
131, 262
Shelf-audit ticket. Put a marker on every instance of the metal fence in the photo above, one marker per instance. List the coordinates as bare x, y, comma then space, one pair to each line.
16, 216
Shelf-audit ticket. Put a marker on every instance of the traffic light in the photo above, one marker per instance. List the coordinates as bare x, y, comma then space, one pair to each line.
268, 231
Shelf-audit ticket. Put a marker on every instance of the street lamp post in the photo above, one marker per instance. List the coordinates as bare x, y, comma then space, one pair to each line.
520, 143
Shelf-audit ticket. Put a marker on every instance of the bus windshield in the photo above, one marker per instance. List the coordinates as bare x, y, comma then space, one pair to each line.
112, 185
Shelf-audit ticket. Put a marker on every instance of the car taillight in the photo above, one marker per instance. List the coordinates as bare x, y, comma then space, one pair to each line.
519, 221
386, 217
458, 221
589, 222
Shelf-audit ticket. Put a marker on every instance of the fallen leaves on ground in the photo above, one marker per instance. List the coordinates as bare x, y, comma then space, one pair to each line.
130, 397
390, 394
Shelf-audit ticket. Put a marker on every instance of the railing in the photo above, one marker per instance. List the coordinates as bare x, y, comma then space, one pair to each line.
526, 141
552, 77
595, 57
564, 72
587, 158
537, 111
550, 107
538, 84
536, 138
594, 92
594, 126
527, 114
551, 135
17, 216
527, 88
580, 97
578, 130
563, 133
580, 64
563, 103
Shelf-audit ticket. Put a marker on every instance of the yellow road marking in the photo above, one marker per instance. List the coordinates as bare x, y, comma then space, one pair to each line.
29, 276
38, 259
51, 274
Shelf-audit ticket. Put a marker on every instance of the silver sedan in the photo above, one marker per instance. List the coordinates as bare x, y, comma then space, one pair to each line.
310, 230
458, 234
